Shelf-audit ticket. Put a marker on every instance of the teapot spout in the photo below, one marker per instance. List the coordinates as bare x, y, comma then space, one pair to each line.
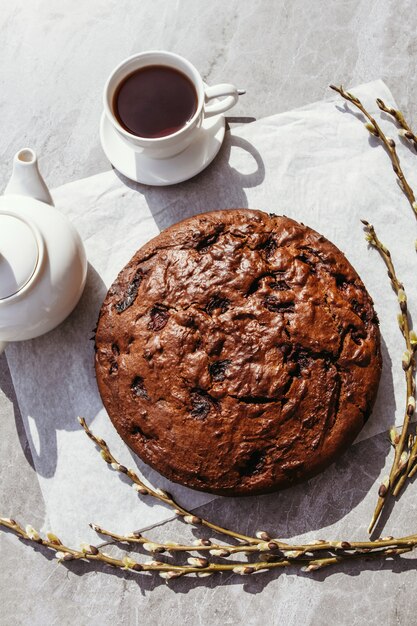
26, 179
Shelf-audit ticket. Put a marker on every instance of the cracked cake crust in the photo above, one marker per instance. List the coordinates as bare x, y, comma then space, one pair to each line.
238, 352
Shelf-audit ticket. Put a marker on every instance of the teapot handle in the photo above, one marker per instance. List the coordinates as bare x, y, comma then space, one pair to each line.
3, 345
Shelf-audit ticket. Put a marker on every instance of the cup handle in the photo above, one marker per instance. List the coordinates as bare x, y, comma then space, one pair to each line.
223, 89
3, 345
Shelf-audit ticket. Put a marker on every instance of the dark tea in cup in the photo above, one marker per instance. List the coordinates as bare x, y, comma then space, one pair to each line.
155, 101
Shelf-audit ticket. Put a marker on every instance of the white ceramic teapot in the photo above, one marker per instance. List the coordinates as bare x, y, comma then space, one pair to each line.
43, 265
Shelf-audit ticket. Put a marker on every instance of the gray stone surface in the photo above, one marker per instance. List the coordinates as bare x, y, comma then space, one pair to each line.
55, 58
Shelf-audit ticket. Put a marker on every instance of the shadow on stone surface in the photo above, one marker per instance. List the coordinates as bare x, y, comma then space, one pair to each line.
72, 339
219, 186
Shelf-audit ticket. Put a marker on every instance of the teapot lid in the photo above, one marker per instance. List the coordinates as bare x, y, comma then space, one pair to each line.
19, 254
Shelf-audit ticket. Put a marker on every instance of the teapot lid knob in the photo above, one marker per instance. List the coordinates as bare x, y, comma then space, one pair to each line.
19, 254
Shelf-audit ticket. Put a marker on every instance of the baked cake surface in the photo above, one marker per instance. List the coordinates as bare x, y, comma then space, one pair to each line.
238, 352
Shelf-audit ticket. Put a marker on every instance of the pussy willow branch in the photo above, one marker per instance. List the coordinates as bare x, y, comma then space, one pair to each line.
402, 443
266, 543
200, 545
166, 497
201, 566
405, 130
309, 556
291, 550
374, 128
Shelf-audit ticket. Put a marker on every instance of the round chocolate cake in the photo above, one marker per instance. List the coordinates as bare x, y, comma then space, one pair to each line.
238, 352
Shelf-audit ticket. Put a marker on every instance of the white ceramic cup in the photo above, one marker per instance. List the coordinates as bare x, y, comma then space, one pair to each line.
164, 147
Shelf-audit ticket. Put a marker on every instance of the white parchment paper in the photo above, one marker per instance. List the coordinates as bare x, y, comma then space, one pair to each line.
316, 164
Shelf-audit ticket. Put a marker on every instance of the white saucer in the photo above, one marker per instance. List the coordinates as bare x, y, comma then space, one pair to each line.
142, 169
